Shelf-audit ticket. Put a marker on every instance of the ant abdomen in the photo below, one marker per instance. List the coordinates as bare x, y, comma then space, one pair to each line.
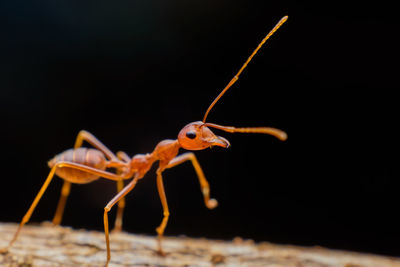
84, 156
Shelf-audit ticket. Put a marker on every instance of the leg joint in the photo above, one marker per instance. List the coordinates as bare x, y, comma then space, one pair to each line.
191, 155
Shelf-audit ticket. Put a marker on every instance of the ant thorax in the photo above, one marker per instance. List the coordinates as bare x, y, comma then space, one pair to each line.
164, 152
141, 163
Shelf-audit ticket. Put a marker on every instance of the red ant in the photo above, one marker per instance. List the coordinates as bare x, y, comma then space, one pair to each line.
83, 165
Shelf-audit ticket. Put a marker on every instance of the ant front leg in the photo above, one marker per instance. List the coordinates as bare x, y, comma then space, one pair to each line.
205, 187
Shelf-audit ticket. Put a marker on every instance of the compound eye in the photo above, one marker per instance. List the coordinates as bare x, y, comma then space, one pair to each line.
191, 135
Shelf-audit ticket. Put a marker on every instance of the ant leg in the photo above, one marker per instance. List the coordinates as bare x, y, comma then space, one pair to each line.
121, 204
104, 174
108, 175
160, 229
123, 156
65, 190
205, 187
61, 164
107, 208
91, 139
120, 210
28, 214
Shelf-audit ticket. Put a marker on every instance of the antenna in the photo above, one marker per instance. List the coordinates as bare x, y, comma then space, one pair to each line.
236, 77
281, 135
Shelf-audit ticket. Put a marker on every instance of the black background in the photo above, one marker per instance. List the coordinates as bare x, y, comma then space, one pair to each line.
135, 72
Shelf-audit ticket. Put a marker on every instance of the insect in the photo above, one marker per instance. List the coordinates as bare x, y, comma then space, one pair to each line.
83, 165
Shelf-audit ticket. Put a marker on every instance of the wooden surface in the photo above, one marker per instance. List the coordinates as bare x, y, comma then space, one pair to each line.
45, 245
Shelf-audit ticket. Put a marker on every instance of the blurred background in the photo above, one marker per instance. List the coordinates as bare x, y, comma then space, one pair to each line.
135, 72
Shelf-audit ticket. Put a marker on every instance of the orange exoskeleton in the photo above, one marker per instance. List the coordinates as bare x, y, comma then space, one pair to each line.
83, 165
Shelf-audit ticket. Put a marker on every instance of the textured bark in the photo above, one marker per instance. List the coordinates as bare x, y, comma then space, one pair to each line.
46, 245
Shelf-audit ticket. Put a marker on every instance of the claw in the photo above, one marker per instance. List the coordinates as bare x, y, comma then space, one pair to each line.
212, 203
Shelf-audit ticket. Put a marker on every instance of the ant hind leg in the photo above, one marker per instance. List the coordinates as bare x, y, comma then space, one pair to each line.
65, 190
91, 139
28, 214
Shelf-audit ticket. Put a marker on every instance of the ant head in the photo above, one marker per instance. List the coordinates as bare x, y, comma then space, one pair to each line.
197, 136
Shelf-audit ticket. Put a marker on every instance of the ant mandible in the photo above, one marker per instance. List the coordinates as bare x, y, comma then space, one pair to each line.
83, 165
